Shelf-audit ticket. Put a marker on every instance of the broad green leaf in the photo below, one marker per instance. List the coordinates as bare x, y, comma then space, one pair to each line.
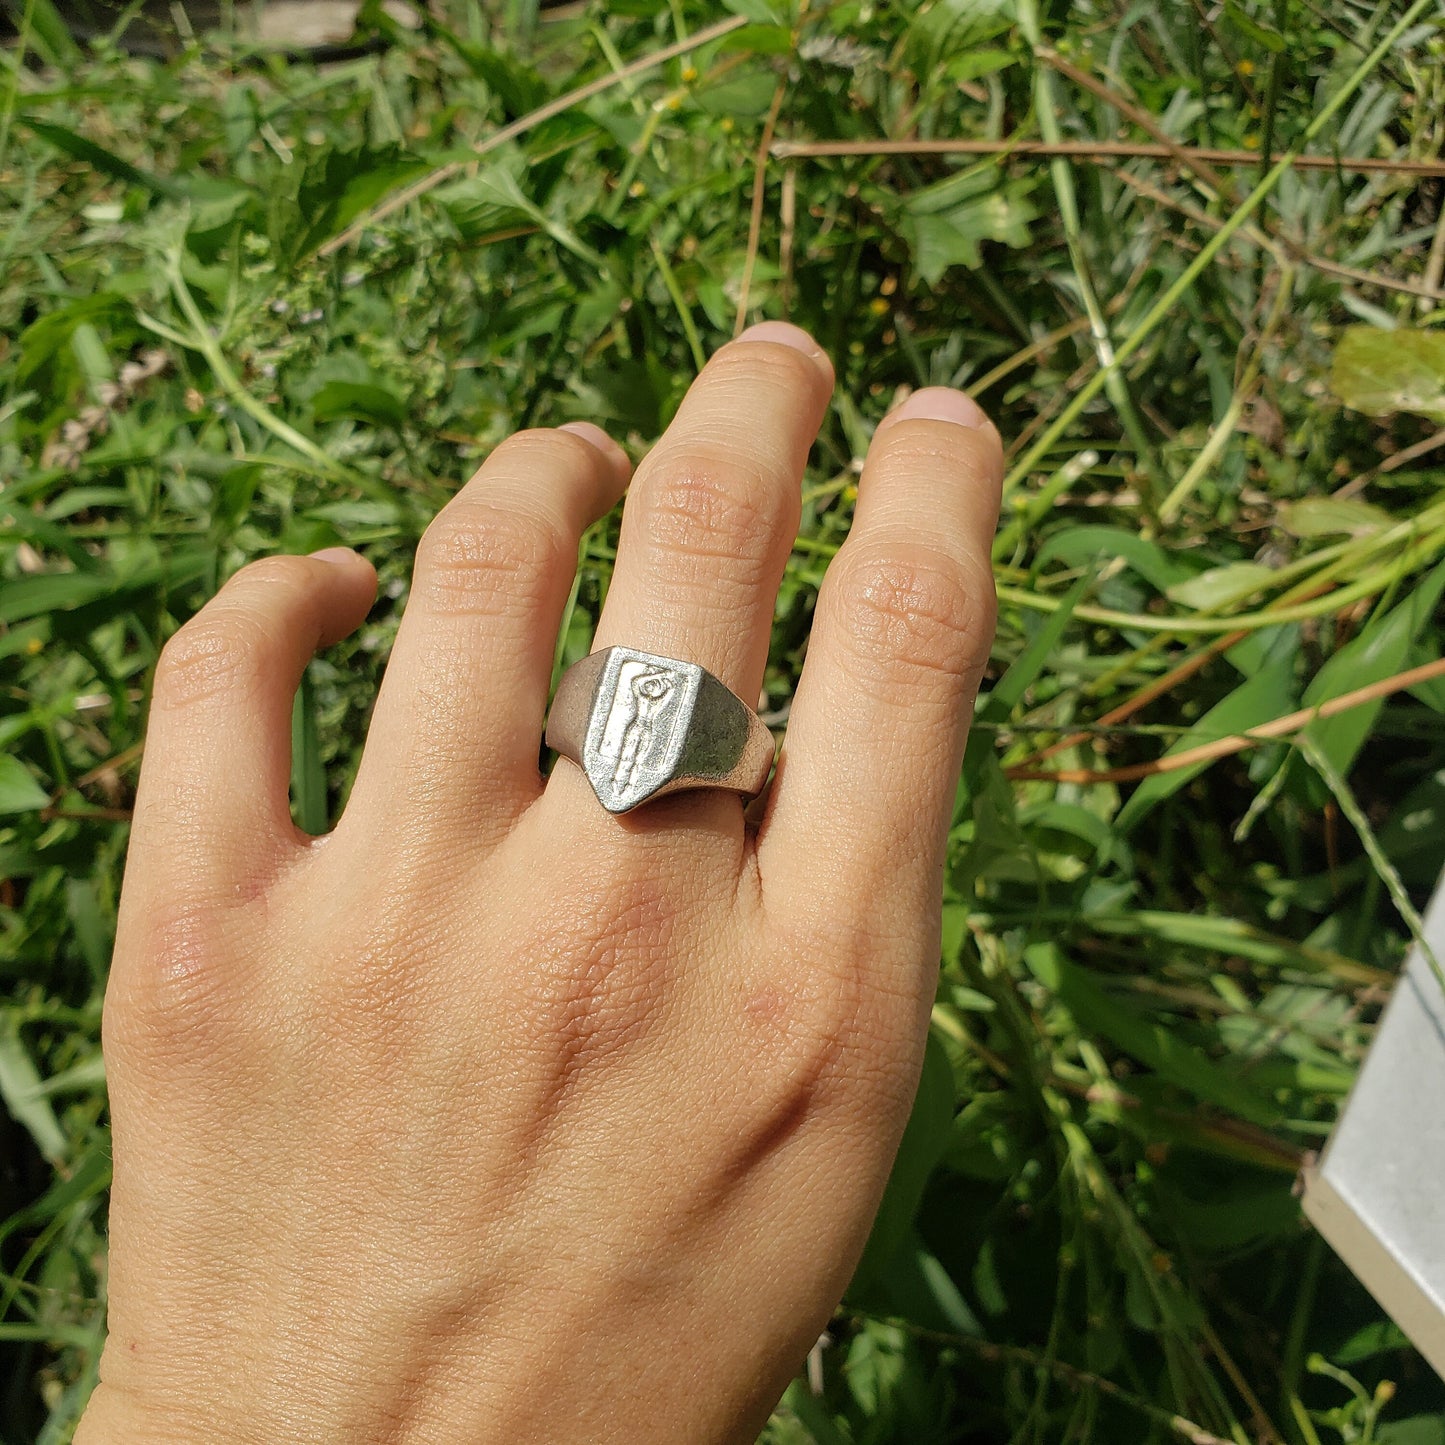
1418, 1430
1380, 372
1221, 587
339, 186
946, 224
1153, 1043
89, 1178
763, 39
1261, 34
1330, 516
744, 96
101, 159
1234, 1219
361, 401
919, 1288
975, 63
1382, 649
926, 1136
957, 27
1268, 694
308, 773
485, 203
1006, 694
93, 923
60, 592
43, 338
22, 1091
19, 792
519, 86
1376, 1338
760, 12
1077, 546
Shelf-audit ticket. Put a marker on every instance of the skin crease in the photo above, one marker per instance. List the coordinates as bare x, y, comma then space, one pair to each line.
491, 1116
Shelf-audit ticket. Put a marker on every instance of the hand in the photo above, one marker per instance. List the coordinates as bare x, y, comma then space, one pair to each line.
492, 1116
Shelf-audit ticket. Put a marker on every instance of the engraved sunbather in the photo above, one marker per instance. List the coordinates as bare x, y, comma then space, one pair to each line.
648, 696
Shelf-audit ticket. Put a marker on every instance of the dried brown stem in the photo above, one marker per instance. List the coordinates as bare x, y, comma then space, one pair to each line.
1191, 161
755, 222
1224, 747
1099, 150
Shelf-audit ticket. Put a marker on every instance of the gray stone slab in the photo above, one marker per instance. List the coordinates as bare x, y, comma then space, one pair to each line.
1377, 1193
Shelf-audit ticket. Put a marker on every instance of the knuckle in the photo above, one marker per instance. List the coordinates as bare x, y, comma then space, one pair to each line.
476, 557
709, 501
917, 611
218, 652
172, 1003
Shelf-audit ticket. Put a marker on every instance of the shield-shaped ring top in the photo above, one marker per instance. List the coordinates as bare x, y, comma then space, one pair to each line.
641, 725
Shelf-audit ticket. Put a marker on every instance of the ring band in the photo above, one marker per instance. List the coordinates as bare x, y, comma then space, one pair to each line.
640, 726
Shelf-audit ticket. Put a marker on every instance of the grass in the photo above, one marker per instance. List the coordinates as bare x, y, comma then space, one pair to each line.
251, 304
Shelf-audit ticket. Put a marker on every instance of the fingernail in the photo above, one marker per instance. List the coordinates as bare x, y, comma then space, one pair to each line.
939, 403
334, 554
599, 439
786, 334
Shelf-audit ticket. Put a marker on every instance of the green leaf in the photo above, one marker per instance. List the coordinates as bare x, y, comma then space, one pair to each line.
19, 792
361, 401
927, 1135
1382, 649
946, 224
1262, 35
1331, 516
742, 96
1221, 587
22, 1091
1418, 1430
102, 160
1268, 694
1237, 1218
485, 203
760, 12
43, 338
1155, 1045
52, 592
48, 33
1380, 372
1080, 545
308, 773
1006, 694
341, 185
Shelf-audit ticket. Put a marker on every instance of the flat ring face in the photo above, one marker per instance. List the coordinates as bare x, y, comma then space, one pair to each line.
640, 725
639, 722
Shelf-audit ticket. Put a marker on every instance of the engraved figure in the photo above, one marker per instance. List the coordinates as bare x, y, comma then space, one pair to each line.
641, 705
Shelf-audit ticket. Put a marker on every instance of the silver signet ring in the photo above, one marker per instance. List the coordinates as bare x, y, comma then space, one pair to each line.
641, 726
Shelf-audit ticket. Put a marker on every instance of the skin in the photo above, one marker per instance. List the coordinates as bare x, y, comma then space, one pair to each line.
491, 1116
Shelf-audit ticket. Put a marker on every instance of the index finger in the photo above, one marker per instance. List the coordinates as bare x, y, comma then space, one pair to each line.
901, 635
